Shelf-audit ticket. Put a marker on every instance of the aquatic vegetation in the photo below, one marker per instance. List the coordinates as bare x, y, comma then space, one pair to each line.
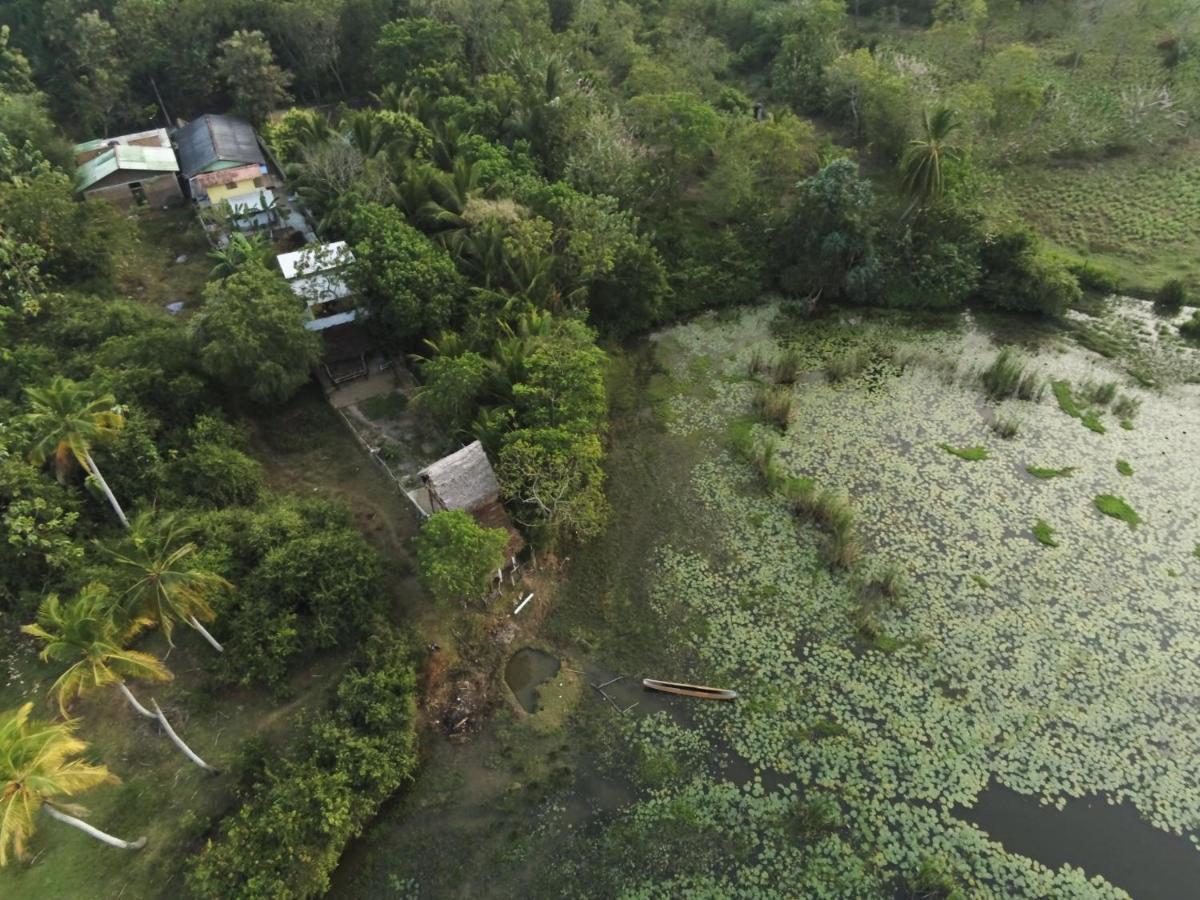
1045, 474
1091, 421
973, 454
1006, 427
1044, 533
847, 365
1126, 407
1127, 424
1124, 467
1009, 375
787, 366
1112, 505
1066, 401
773, 404
1100, 394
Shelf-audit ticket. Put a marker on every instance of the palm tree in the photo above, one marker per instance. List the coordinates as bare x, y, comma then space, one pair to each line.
166, 587
87, 634
36, 770
922, 167
68, 420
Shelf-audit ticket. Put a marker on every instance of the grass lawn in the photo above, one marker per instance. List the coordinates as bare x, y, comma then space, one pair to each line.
149, 272
1137, 214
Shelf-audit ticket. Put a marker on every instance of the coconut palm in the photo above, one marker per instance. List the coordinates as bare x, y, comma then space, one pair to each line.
69, 420
89, 634
165, 585
922, 167
37, 772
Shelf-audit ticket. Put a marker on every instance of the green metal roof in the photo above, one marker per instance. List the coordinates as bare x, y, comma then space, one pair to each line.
125, 157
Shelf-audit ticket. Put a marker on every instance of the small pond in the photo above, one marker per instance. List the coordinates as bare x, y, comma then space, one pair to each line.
528, 670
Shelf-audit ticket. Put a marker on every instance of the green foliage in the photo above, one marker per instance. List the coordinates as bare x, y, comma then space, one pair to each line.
251, 336
1173, 295
457, 557
774, 405
1044, 534
847, 365
285, 840
452, 388
1017, 275
1112, 505
1191, 328
420, 52
1124, 467
922, 168
409, 285
829, 235
973, 454
553, 479
219, 475
247, 66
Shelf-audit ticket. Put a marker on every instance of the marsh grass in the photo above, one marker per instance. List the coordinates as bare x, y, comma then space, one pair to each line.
1126, 407
1099, 394
844, 367
773, 404
1124, 467
1114, 506
876, 594
1070, 405
1008, 375
1045, 474
972, 454
1006, 427
787, 365
1044, 533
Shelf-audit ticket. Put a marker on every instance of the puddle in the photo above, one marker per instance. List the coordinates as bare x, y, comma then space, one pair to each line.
1089, 834
526, 672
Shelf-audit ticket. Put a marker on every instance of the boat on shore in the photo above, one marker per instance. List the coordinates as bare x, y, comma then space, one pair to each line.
688, 690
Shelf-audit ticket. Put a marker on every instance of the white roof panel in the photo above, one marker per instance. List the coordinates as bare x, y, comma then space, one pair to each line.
317, 258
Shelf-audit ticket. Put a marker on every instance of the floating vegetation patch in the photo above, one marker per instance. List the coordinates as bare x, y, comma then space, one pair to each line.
974, 454
1044, 533
1047, 474
1124, 467
1112, 505
1066, 401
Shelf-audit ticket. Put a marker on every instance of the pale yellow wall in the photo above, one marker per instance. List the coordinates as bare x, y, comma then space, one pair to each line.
219, 192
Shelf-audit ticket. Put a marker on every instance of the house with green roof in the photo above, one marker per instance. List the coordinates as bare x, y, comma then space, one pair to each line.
130, 169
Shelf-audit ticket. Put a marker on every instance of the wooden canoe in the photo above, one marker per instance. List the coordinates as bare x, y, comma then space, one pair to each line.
688, 690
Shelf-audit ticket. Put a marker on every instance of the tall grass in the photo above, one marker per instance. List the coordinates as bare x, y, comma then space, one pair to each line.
773, 404
1008, 375
846, 366
780, 368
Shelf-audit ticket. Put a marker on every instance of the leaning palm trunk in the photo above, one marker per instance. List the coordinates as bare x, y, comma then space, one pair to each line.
133, 701
94, 832
93, 469
178, 741
161, 718
195, 623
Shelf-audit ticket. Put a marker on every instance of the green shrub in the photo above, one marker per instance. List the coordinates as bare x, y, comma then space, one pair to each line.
1094, 277
1172, 296
457, 557
1019, 275
300, 813
220, 475
1191, 328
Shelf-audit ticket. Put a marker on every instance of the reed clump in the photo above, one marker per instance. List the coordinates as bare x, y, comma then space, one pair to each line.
844, 367
1009, 375
773, 404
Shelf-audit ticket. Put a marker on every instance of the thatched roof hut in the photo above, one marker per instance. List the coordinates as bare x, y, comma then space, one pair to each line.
462, 480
